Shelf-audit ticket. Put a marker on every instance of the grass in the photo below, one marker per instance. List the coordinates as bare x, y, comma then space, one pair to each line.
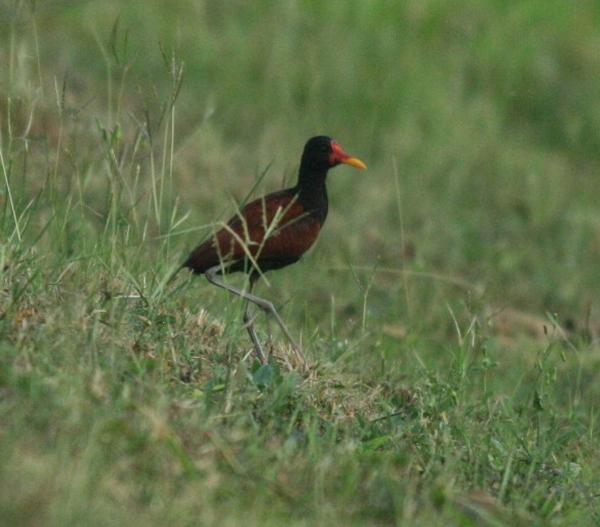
449, 310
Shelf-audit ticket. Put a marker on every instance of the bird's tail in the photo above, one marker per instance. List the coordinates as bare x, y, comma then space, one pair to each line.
169, 280
174, 274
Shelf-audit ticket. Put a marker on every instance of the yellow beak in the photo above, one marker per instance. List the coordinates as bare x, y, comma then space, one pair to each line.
354, 162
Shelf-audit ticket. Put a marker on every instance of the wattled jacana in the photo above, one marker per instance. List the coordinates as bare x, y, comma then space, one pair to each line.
273, 231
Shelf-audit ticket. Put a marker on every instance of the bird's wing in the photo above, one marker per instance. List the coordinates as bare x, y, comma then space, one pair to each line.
275, 226
265, 217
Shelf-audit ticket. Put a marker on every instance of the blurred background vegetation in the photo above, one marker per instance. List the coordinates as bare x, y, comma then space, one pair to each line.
458, 273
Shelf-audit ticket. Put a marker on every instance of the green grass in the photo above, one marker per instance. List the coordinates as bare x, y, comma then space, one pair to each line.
449, 310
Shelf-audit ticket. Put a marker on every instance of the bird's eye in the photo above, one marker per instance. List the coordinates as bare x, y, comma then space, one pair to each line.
325, 148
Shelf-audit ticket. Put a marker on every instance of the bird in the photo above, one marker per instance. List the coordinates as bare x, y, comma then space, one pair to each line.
272, 232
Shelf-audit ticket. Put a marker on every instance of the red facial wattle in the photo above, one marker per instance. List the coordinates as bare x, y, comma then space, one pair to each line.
338, 155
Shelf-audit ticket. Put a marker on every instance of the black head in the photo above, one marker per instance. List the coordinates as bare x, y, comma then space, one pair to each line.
322, 153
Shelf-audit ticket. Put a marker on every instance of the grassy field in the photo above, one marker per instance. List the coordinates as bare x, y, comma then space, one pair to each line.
449, 311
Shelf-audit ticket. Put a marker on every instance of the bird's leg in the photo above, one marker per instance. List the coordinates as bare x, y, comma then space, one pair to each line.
269, 308
249, 323
265, 305
269, 334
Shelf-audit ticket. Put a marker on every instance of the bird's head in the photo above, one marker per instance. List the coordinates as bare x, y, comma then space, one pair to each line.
322, 153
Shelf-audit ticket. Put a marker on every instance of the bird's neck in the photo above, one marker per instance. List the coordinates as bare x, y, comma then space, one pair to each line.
312, 193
